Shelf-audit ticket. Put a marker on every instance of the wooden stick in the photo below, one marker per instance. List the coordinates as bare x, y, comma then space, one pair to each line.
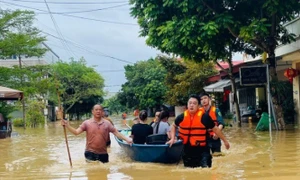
65, 132
128, 126
66, 138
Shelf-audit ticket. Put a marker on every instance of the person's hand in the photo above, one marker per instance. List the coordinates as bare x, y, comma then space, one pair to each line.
171, 142
129, 141
64, 122
215, 137
227, 145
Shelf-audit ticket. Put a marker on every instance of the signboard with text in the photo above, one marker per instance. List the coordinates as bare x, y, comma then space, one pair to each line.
253, 75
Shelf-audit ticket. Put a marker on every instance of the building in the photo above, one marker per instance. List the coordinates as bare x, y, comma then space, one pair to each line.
48, 58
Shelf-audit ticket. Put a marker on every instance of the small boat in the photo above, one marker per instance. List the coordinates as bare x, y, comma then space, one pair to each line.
155, 150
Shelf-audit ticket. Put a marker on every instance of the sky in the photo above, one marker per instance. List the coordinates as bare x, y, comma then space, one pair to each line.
101, 31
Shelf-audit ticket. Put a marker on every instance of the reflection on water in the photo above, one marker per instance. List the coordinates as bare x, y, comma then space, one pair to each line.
41, 154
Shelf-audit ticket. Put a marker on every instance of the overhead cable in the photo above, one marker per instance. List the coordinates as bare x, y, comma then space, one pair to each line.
69, 15
81, 3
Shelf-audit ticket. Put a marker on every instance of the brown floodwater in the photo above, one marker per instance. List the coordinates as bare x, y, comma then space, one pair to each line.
41, 154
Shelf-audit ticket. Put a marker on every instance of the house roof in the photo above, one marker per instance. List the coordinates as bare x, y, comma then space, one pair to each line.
222, 73
10, 94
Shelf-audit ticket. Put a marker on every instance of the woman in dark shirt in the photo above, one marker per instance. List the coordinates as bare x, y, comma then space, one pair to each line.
140, 131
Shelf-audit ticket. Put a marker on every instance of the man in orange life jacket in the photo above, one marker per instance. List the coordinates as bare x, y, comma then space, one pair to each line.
214, 142
193, 125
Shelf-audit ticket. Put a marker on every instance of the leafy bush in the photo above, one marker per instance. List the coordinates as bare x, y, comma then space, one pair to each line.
18, 122
6, 109
35, 115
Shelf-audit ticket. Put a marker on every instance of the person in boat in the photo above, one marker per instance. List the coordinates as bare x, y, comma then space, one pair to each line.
124, 116
157, 113
141, 131
136, 113
214, 142
193, 125
107, 118
162, 125
97, 129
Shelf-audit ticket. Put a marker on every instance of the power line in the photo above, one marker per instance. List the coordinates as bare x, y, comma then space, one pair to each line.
86, 11
88, 49
81, 3
69, 15
85, 48
58, 30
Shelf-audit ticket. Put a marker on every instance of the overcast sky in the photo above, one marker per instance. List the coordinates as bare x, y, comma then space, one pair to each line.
107, 30
113, 33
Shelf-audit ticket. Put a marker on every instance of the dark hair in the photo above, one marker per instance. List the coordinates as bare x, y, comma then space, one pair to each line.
143, 115
195, 96
163, 114
204, 94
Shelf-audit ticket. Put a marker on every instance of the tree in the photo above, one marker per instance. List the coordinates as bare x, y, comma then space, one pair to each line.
185, 78
76, 81
36, 86
84, 106
211, 30
145, 85
20, 37
114, 105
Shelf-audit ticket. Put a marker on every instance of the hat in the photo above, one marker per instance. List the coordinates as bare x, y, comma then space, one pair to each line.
204, 94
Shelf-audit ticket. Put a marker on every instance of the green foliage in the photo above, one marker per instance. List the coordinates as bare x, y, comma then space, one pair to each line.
185, 78
15, 20
36, 84
145, 85
114, 105
18, 122
6, 109
283, 92
211, 29
76, 82
19, 36
34, 114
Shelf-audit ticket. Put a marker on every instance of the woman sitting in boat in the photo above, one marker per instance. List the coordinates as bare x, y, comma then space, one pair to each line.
162, 126
140, 131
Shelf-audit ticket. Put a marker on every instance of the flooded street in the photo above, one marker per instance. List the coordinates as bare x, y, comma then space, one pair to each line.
41, 154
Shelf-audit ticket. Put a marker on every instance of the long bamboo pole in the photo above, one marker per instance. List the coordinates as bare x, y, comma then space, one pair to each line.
60, 109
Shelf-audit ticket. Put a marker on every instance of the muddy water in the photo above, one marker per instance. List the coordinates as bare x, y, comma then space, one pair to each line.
41, 154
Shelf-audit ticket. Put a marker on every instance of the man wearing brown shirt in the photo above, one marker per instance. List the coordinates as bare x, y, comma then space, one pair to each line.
97, 132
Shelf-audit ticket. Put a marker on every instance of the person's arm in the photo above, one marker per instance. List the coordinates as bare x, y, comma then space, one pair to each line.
70, 128
209, 124
67, 124
172, 134
174, 126
221, 136
121, 136
220, 120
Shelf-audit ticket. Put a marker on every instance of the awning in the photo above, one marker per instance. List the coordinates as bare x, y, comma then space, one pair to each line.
10, 94
219, 86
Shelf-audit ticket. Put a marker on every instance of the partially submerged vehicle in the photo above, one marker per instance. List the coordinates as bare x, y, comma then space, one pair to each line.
7, 94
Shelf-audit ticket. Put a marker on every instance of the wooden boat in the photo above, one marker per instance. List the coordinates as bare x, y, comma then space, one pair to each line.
154, 151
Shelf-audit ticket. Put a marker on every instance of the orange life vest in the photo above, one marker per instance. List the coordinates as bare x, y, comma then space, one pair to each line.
212, 114
192, 130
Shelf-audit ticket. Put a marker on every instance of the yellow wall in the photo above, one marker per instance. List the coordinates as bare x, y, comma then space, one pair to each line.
260, 94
